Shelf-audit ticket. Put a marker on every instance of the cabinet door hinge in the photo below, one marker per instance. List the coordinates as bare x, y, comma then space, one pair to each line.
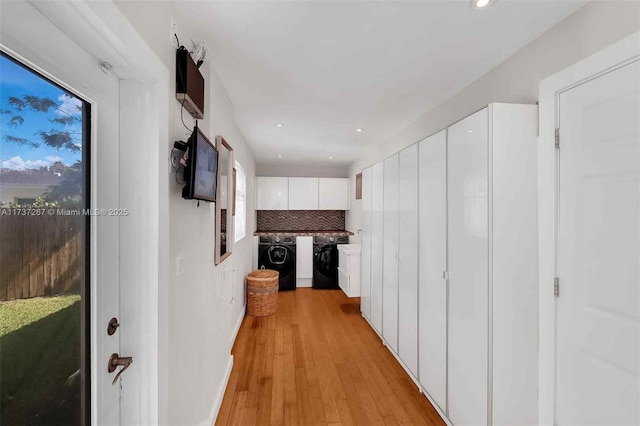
556, 287
557, 138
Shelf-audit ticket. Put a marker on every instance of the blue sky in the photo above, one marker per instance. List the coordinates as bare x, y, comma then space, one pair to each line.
17, 81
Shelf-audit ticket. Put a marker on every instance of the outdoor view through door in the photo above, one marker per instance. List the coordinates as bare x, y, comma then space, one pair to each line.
44, 229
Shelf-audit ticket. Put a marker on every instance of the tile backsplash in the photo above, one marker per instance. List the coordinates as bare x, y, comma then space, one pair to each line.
300, 220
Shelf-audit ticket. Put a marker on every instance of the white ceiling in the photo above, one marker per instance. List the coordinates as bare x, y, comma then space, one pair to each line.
325, 68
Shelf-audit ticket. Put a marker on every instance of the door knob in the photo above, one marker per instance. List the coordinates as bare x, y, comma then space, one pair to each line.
113, 326
115, 361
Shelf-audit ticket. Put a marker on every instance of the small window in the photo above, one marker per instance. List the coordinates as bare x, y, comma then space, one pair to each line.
241, 203
25, 201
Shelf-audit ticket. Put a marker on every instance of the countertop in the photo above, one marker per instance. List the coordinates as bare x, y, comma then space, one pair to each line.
301, 233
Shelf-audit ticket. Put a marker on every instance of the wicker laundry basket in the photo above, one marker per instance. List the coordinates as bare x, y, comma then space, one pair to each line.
262, 292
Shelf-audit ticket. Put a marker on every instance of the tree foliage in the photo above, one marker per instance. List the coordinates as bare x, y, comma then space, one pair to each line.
59, 137
67, 192
64, 134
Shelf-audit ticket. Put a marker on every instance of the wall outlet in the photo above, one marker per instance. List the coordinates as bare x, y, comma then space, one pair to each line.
173, 39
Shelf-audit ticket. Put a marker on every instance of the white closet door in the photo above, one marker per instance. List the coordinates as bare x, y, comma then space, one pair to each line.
433, 263
468, 258
408, 258
365, 295
514, 259
390, 252
377, 181
599, 251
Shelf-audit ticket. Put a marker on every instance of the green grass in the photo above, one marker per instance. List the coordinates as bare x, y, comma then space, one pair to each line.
40, 349
18, 313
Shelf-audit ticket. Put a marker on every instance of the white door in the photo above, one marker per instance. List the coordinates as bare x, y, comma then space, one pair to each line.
467, 192
390, 254
377, 182
433, 264
122, 238
408, 258
598, 329
52, 52
334, 193
303, 193
272, 193
365, 295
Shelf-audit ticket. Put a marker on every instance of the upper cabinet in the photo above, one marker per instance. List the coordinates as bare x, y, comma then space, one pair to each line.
334, 194
272, 193
281, 193
303, 193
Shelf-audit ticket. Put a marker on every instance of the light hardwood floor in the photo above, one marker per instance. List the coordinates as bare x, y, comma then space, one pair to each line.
317, 362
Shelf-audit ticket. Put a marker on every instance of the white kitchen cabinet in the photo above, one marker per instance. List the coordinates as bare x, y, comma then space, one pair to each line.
365, 275
390, 251
303, 193
272, 193
377, 243
281, 193
304, 261
492, 257
334, 194
349, 258
408, 258
432, 267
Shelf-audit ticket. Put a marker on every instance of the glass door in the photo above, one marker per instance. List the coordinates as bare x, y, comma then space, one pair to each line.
44, 250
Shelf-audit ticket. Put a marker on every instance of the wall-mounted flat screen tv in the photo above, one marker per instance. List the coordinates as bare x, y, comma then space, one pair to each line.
201, 168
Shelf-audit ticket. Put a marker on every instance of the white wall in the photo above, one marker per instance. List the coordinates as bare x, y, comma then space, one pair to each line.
203, 308
591, 28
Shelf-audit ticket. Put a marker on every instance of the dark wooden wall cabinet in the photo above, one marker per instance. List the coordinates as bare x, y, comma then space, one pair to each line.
359, 186
189, 84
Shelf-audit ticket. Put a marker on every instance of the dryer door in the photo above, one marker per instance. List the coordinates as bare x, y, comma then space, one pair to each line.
325, 267
277, 255
278, 258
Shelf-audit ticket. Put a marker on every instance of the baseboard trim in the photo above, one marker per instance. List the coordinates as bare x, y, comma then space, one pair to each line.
374, 329
220, 395
436, 406
225, 382
404, 367
236, 329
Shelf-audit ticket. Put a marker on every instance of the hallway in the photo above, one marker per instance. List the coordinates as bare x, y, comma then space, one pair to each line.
318, 362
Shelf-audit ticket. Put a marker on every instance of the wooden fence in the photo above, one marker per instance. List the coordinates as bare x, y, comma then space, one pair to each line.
39, 255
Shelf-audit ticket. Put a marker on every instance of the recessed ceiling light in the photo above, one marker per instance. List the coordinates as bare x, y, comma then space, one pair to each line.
469, 131
279, 156
330, 158
359, 130
480, 4
279, 125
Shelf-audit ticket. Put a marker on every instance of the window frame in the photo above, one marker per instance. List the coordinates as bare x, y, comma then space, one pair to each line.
240, 199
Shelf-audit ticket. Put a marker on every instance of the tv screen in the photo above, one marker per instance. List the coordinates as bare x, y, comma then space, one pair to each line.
201, 171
